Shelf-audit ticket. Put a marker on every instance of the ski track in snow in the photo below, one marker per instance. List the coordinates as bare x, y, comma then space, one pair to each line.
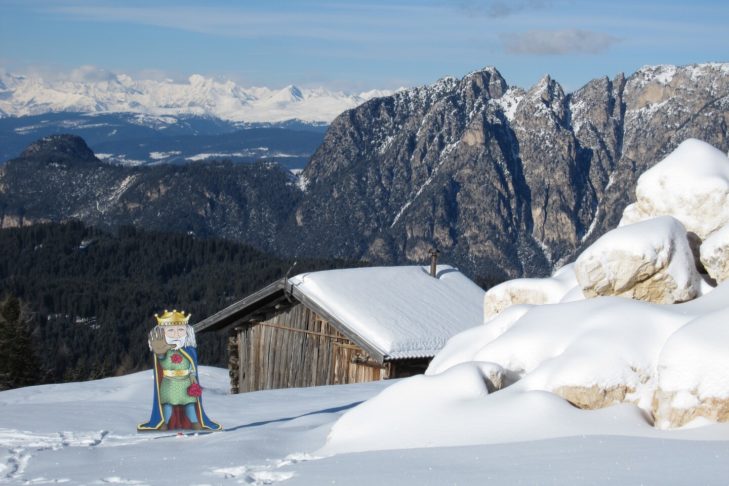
23, 445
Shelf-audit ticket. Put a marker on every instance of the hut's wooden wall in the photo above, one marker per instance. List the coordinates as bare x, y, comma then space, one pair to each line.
298, 348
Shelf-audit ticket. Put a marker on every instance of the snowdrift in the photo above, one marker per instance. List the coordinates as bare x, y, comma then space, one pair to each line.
630, 339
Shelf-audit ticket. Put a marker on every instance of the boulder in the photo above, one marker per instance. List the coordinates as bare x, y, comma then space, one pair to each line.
691, 184
693, 373
650, 261
715, 254
534, 291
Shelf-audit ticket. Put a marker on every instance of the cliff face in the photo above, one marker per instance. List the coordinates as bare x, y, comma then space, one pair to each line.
500, 178
505, 182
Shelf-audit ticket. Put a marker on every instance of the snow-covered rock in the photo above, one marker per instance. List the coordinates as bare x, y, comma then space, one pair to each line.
715, 254
650, 260
693, 373
618, 358
465, 346
593, 352
529, 291
690, 184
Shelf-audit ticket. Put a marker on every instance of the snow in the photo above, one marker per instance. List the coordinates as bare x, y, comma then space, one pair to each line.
163, 155
690, 184
161, 101
278, 435
665, 74
509, 102
85, 433
695, 358
216, 155
400, 311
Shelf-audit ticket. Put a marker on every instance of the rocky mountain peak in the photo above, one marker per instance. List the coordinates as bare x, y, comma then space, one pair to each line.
488, 81
60, 148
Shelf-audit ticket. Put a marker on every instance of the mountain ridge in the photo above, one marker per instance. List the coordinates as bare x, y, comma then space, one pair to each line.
500, 177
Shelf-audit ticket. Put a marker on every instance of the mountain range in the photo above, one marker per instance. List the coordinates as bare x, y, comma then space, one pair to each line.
94, 92
503, 181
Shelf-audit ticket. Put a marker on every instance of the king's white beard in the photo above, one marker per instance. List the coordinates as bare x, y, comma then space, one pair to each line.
178, 343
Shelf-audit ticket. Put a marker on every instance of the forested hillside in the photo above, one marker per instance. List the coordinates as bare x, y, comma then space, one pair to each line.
92, 294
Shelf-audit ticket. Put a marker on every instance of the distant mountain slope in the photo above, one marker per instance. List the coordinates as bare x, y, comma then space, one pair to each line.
138, 139
59, 178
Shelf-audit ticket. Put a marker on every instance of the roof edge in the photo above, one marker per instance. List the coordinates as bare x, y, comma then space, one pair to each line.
226, 317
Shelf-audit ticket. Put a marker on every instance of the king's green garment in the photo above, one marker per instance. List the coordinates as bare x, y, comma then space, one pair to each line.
173, 389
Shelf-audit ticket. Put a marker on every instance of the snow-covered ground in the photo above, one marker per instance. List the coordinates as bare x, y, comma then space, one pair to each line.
84, 433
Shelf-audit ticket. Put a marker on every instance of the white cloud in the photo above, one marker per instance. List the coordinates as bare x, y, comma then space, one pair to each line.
555, 42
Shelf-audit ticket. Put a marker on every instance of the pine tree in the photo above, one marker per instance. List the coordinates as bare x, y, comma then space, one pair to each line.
19, 366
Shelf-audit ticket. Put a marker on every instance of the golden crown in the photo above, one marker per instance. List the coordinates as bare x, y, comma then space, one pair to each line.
173, 318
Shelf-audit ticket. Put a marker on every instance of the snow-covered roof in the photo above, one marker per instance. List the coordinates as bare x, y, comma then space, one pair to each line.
402, 312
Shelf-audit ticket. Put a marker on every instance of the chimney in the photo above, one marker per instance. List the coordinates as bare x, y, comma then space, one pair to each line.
433, 261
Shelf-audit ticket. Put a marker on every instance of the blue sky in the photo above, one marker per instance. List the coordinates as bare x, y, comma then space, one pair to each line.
361, 44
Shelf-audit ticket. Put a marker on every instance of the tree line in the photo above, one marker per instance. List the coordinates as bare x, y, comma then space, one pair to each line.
79, 301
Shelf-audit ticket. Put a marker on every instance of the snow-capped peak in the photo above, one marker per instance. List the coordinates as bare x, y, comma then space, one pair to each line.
289, 94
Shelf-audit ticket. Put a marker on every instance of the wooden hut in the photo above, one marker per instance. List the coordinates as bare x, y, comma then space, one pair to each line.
345, 326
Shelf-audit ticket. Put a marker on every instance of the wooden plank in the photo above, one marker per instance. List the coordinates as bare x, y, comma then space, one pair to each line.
293, 329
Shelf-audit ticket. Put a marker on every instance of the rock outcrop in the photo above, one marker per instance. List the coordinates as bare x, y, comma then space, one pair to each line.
650, 261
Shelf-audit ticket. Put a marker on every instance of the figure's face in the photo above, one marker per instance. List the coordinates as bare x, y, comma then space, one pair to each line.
175, 335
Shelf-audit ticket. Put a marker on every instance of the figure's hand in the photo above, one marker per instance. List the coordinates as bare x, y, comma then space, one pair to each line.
157, 341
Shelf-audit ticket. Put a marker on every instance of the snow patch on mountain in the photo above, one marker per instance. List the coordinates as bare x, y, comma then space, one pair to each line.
509, 102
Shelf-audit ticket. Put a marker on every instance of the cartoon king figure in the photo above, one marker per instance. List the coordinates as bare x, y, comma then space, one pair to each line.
177, 402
